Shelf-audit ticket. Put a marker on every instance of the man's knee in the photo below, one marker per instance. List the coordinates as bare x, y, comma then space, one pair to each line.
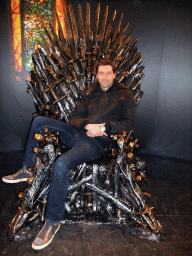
39, 123
38, 120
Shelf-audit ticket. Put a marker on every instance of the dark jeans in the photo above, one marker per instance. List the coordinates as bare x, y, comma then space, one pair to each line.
82, 149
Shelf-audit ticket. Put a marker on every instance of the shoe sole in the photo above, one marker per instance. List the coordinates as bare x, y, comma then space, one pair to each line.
14, 181
39, 247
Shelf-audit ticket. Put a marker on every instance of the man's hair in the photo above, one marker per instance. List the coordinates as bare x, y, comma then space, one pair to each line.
105, 62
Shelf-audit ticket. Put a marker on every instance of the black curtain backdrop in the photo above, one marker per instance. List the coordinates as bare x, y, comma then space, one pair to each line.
164, 115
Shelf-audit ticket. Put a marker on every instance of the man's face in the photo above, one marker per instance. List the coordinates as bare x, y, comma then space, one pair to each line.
105, 76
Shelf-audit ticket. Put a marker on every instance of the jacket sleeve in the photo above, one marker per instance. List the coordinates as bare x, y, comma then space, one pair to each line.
78, 117
127, 117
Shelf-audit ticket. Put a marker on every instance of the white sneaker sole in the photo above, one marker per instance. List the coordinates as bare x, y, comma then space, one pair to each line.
14, 181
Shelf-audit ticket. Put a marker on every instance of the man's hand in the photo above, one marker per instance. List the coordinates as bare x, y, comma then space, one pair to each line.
94, 130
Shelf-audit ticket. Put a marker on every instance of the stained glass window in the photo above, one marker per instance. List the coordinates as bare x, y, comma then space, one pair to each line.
16, 26
37, 13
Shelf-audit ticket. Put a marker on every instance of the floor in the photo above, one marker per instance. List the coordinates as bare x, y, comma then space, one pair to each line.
170, 187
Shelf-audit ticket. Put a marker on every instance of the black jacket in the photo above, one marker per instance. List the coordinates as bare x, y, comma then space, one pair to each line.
115, 107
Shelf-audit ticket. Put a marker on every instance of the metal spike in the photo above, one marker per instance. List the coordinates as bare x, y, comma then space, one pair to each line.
45, 98
129, 56
81, 27
88, 30
129, 48
55, 37
116, 180
108, 32
107, 206
128, 195
133, 62
121, 48
35, 95
68, 27
81, 36
117, 30
61, 36
125, 42
88, 22
139, 70
108, 196
120, 37
69, 35
136, 86
129, 81
38, 67
96, 24
137, 97
95, 182
74, 29
49, 37
39, 57
103, 25
102, 31
48, 44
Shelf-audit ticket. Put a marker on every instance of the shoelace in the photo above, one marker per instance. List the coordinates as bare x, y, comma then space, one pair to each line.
41, 229
47, 234
23, 170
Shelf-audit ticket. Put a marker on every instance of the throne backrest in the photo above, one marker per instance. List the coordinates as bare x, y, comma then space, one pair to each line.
64, 66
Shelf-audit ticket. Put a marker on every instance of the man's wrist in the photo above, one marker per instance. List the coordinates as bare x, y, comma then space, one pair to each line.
108, 128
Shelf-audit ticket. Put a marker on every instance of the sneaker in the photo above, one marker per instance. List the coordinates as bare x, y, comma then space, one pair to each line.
45, 235
21, 175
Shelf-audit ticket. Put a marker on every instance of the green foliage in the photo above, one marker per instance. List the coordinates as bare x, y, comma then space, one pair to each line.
36, 14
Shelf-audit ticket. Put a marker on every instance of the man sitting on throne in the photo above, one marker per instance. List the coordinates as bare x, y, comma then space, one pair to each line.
104, 109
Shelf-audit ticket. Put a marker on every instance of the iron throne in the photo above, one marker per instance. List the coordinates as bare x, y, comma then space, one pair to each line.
106, 190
